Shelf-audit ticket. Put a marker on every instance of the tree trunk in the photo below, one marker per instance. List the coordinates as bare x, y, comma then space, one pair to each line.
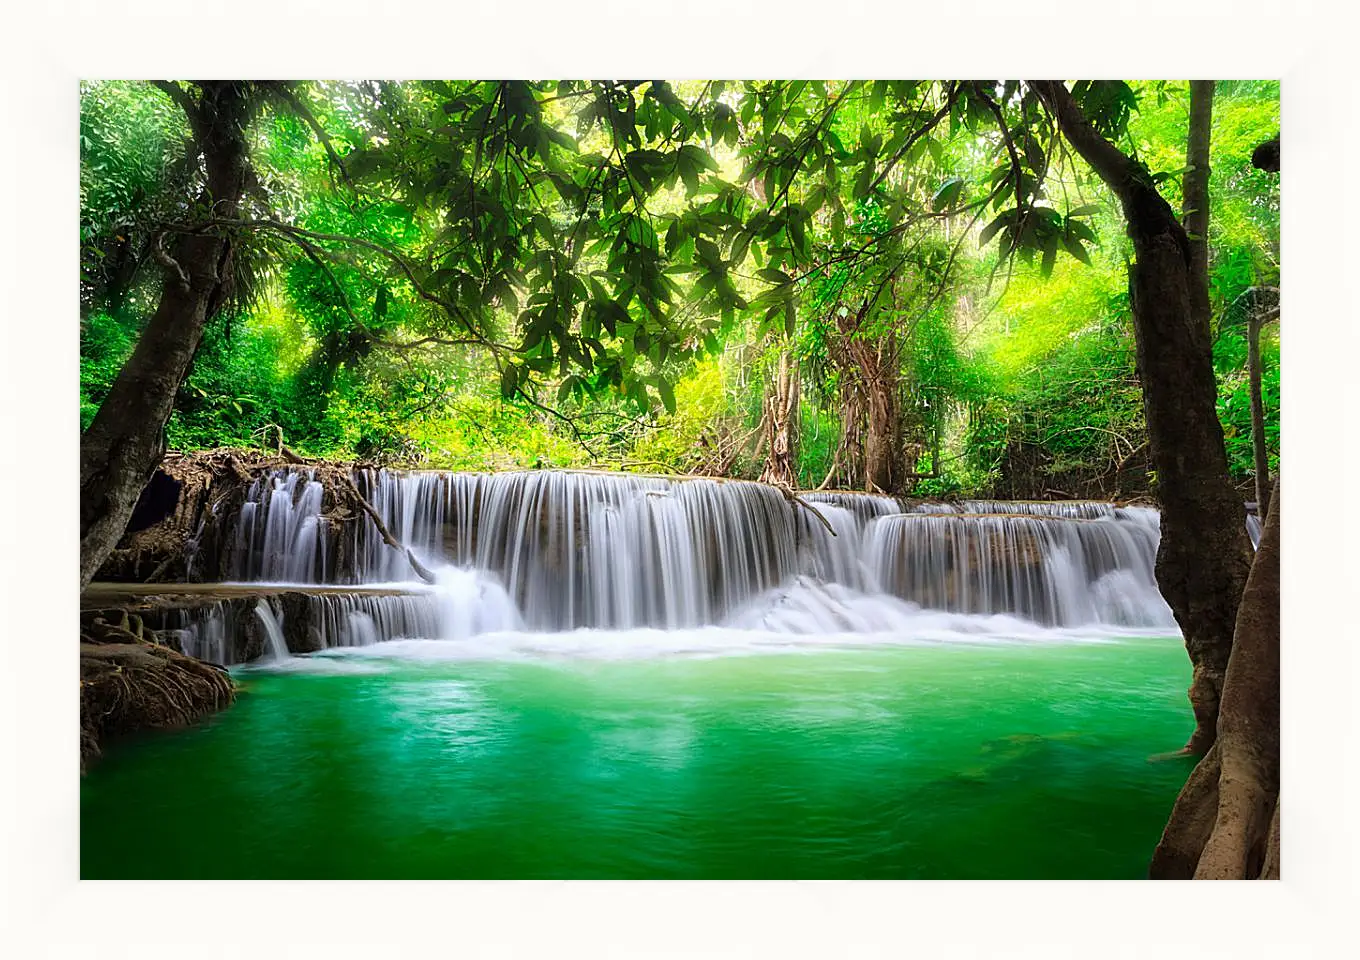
1258, 417
1195, 196
781, 422
849, 461
1205, 554
871, 363
126, 440
1226, 822
883, 441
848, 465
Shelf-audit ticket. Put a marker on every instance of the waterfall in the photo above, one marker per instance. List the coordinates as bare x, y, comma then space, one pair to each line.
579, 550
279, 535
1053, 570
547, 551
276, 646
617, 551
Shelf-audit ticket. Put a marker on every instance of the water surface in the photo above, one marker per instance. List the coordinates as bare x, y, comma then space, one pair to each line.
933, 760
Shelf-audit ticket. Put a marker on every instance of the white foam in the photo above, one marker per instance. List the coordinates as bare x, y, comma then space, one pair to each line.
805, 616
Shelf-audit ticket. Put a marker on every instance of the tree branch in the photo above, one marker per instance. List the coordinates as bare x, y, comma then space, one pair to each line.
185, 102
1119, 172
1016, 169
295, 233
931, 124
285, 92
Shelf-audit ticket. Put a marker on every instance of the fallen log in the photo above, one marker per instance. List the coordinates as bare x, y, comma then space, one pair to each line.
792, 497
386, 534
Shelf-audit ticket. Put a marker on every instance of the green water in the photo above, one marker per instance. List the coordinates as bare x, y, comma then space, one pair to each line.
945, 761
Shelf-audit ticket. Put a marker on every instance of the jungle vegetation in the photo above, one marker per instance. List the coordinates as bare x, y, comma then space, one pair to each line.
1008, 288
647, 255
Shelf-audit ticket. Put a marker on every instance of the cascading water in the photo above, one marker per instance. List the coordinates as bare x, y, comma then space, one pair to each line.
578, 550
1057, 572
207, 636
279, 535
356, 620
549, 551
275, 645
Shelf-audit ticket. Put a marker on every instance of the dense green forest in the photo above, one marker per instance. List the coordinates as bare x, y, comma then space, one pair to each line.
862, 285
1005, 290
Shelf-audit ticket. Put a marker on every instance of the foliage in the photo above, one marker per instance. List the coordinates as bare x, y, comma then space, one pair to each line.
484, 275
105, 345
1234, 400
133, 170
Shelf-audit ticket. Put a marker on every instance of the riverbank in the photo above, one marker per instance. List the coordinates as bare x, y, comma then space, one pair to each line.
129, 683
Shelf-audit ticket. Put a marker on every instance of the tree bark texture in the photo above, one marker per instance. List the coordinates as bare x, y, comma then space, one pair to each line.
1226, 822
126, 440
781, 422
847, 470
1195, 196
1205, 553
872, 363
883, 442
1258, 417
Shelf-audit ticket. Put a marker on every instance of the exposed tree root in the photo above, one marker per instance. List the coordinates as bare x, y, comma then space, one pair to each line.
128, 684
1226, 822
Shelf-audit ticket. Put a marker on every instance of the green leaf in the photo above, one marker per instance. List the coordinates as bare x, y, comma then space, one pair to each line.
1076, 228
863, 180
1075, 248
509, 380
877, 92
990, 230
667, 395
948, 194
700, 156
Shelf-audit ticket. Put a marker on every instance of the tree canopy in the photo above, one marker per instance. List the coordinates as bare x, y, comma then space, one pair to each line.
481, 274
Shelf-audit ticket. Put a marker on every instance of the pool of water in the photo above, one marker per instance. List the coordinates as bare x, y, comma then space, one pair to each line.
837, 760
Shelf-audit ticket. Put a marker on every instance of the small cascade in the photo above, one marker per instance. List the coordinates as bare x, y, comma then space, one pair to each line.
279, 535
461, 604
361, 631
1057, 572
357, 620
275, 646
1070, 509
207, 636
864, 506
